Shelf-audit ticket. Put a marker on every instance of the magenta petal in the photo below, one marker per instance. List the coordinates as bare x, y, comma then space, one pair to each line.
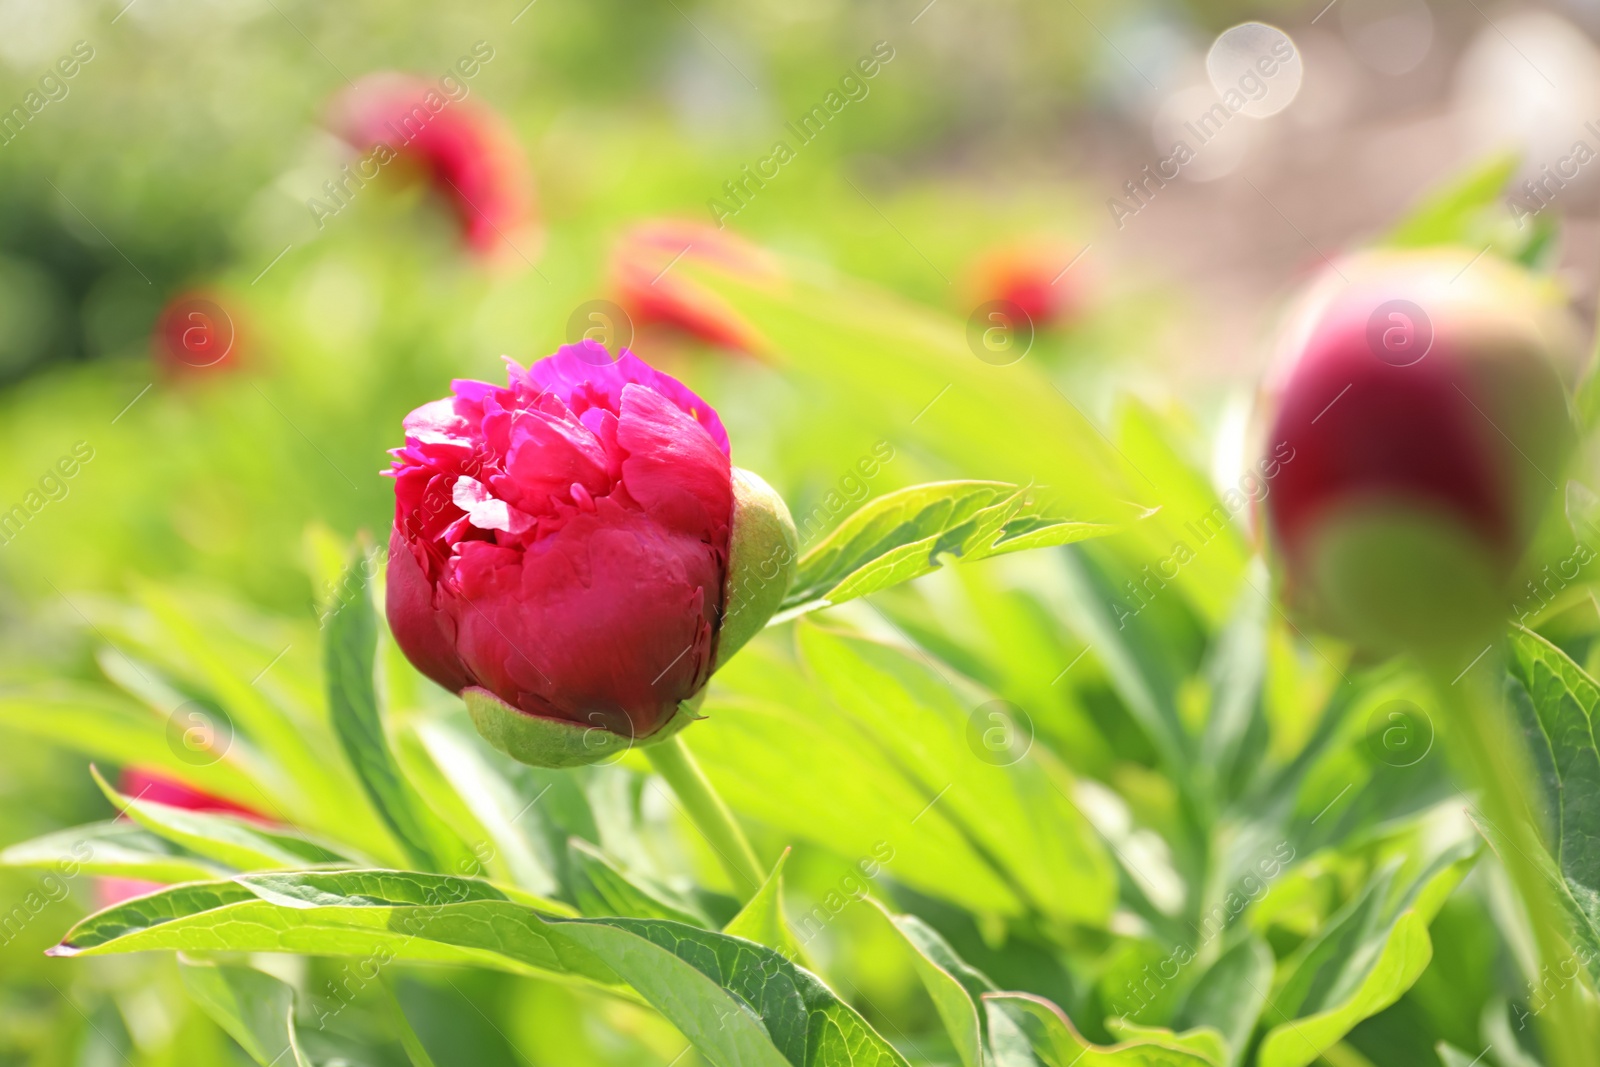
423, 634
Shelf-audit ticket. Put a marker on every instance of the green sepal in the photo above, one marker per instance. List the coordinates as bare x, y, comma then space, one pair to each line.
763, 550
556, 743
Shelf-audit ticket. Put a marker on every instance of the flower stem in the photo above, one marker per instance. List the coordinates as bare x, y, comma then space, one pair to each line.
674, 762
1498, 760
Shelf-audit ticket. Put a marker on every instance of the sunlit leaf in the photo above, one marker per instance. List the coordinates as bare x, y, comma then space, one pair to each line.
762, 919
737, 1001
1369, 954
1058, 1044
1559, 717
350, 645
905, 534
116, 848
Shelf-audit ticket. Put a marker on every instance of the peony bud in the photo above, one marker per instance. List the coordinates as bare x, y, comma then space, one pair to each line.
561, 552
464, 151
645, 269
1031, 277
1420, 426
197, 335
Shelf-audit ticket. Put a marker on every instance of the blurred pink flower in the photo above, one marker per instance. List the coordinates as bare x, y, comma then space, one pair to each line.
465, 151
648, 272
1031, 276
563, 541
196, 335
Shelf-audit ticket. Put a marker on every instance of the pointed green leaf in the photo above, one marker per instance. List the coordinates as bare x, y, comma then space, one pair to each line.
1365, 959
1453, 213
1013, 803
762, 920
1058, 1044
350, 645
955, 988
739, 1002
783, 754
1561, 731
904, 535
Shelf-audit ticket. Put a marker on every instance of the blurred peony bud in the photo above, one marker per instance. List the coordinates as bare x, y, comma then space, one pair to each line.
1420, 426
196, 335
1031, 276
462, 149
653, 290
561, 552
157, 788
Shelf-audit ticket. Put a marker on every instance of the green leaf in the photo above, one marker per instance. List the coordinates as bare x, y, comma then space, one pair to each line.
1230, 996
602, 889
955, 988
416, 1051
255, 1009
292, 740
1191, 512
1565, 702
1057, 1042
510, 821
782, 754
350, 646
1453, 213
1204, 1042
903, 535
1013, 804
238, 843
115, 848
762, 920
738, 1002
107, 727
1364, 960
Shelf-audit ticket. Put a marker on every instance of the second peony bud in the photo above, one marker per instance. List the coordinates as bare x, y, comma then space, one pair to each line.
1422, 394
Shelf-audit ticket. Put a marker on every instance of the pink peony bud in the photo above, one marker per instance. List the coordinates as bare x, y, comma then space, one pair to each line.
564, 543
463, 150
1420, 426
1033, 277
653, 289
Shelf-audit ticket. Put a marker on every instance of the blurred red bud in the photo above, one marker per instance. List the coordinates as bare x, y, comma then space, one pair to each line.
647, 269
1032, 277
197, 334
465, 151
